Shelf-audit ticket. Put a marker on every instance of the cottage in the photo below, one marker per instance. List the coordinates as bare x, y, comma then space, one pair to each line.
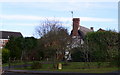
78, 32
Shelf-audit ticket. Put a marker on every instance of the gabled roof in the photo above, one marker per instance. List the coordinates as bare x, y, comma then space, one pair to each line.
101, 29
85, 30
82, 31
8, 34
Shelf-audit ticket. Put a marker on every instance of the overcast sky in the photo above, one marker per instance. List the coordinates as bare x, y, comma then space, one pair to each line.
25, 16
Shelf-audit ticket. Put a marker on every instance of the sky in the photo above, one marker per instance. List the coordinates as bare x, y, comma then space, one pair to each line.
24, 16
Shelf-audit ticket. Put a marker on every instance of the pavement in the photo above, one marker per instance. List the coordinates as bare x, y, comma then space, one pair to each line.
55, 74
15, 66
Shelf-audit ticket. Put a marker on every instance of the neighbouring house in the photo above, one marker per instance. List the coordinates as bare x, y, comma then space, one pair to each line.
5, 35
101, 30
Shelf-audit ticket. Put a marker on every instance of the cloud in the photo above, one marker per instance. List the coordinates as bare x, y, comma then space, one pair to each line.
97, 19
59, 0
57, 7
20, 24
20, 17
70, 5
63, 19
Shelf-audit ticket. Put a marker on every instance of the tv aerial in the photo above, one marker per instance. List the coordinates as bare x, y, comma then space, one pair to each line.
72, 13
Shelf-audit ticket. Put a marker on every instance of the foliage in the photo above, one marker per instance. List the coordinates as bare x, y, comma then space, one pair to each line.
103, 45
53, 39
19, 46
77, 55
5, 55
36, 65
29, 50
15, 45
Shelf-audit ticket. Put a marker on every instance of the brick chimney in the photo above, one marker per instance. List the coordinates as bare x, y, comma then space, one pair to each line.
75, 26
92, 28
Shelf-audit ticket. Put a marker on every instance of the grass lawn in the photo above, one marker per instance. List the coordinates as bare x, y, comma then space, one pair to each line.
74, 67
98, 70
15, 63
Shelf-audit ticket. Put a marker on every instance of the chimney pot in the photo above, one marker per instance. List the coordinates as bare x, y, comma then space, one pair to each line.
76, 19
91, 28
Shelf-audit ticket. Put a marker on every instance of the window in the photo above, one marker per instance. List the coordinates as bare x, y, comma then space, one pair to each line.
1, 41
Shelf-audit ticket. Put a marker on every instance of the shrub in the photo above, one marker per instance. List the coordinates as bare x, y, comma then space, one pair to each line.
36, 65
77, 55
5, 55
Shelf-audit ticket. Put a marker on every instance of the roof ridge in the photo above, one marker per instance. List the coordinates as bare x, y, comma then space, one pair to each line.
10, 31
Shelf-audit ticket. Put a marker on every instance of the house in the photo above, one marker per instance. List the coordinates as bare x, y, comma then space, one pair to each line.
5, 35
78, 32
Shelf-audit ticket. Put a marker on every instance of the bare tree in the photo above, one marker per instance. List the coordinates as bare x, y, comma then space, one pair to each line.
54, 38
46, 26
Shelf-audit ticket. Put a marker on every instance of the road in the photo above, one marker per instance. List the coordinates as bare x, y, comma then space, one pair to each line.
13, 73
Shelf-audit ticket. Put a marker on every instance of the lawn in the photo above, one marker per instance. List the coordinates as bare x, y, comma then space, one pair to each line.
15, 63
73, 67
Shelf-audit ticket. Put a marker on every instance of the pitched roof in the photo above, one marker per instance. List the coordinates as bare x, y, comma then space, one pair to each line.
8, 34
101, 29
85, 30
82, 31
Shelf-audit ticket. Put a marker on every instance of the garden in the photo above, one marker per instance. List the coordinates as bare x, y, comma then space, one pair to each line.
99, 53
